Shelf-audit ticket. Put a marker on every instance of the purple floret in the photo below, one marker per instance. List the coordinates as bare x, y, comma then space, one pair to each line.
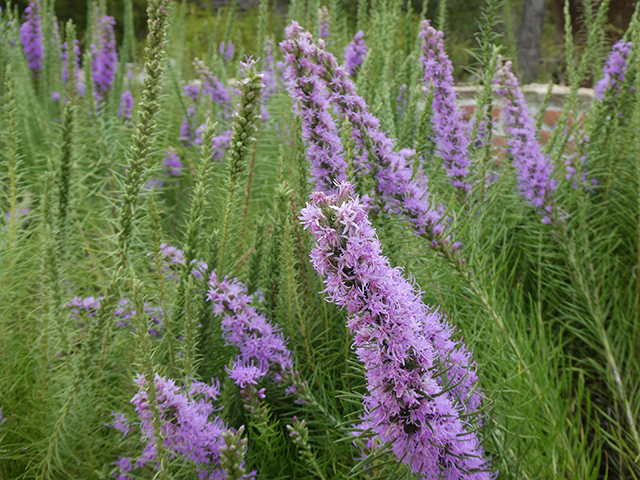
126, 105
104, 57
615, 69
171, 163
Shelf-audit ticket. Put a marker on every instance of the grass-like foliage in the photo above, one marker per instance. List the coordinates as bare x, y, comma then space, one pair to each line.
295, 256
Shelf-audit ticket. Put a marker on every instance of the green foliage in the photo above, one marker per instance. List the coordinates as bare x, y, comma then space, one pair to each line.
552, 316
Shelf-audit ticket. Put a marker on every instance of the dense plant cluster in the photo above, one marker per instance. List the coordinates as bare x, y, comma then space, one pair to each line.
301, 258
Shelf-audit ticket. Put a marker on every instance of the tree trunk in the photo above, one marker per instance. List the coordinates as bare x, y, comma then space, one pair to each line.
530, 39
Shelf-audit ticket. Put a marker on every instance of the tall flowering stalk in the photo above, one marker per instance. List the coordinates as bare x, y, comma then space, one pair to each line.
211, 86
615, 69
354, 53
421, 396
452, 137
323, 22
400, 181
31, 37
105, 57
66, 71
324, 147
126, 105
534, 168
259, 341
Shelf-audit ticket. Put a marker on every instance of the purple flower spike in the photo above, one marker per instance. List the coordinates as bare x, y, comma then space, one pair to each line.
421, 396
31, 37
192, 90
187, 129
401, 184
189, 426
126, 104
533, 167
323, 22
354, 53
104, 57
246, 373
615, 69
451, 132
256, 337
172, 164
305, 85
80, 86
227, 52
211, 86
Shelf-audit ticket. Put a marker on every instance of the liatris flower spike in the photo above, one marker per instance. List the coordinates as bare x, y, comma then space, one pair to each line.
421, 383
354, 53
452, 136
615, 69
31, 37
126, 105
105, 57
533, 167
243, 326
323, 22
324, 147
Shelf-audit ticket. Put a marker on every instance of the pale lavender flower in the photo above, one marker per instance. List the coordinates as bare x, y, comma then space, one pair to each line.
171, 163
249, 330
211, 86
188, 423
354, 53
420, 381
452, 136
324, 147
31, 37
187, 129
80, 86
219, 142
245, 373
400, 180
533, 168
126, 105
104, 57
323, 22
55, 96
615, 69
192, 91
227, 52
120, 423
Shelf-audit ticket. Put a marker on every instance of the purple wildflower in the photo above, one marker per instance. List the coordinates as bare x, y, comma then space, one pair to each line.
211, 86
400, 180
126, 104
246, 328
420, 381
173, 260
324, 148
80, 86
452, 136
533, 167
245, 373
31, 37
228, 52
188, 423
219, 144
171, 163
120, 423
323, 22
354, 53
55, 96
104, 57
615, 69
187, 133
192, 91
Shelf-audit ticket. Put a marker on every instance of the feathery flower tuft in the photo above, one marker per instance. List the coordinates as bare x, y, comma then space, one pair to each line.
615, 69
533, 167
452, 136
420, 382
126, 105
354, 53
31, 37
